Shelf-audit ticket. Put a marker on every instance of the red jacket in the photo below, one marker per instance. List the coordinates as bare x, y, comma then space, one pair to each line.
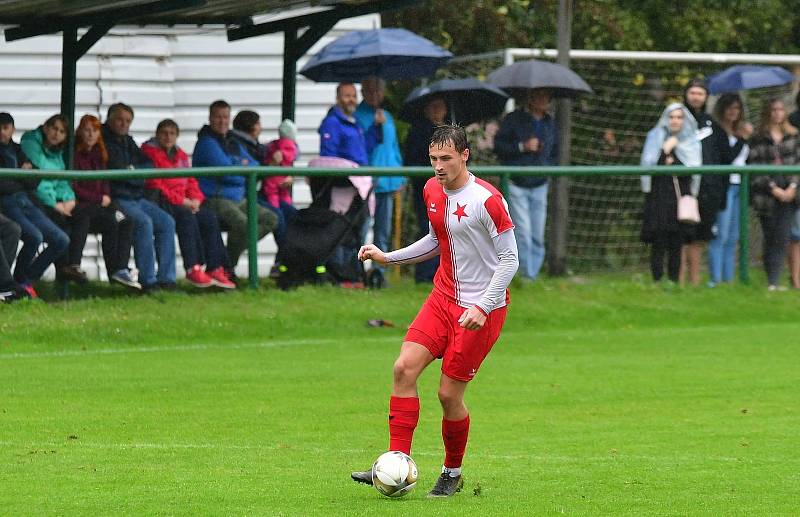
270, 186
90, 191
175, 190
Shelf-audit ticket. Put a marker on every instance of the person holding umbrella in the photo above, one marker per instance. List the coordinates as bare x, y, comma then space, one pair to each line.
371, 117
416, 152
528, 137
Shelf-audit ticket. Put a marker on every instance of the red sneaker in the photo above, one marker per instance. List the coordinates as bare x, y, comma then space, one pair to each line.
220, 279
198, 278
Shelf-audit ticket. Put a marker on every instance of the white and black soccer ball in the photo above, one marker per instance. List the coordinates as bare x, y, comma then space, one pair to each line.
394, 474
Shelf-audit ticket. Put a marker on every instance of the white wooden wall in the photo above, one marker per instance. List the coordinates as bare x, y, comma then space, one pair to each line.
170, 73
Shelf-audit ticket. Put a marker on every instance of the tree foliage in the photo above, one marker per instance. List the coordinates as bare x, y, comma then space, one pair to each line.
473, 26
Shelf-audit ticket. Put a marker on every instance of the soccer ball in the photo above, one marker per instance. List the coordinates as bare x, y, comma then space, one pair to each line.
394, 474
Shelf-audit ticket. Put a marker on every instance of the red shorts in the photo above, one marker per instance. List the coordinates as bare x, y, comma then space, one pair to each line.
462, 351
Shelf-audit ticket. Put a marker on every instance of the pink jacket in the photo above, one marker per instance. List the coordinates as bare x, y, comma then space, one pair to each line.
273, 192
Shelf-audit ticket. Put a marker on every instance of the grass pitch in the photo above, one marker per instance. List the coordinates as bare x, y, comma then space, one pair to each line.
606, 397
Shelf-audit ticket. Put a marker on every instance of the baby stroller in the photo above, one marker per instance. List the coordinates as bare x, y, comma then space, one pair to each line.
322, 241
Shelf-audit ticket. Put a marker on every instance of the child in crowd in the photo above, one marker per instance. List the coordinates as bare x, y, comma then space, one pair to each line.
16, 202
276, 191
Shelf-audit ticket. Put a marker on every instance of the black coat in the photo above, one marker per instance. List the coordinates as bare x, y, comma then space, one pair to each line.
713, 187
12, 157
123, 153
660, 216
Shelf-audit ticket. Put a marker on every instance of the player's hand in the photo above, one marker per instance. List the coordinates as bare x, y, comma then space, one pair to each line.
472, 319
372, 252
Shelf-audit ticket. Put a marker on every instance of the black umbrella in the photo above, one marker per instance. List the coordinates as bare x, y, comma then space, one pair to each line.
468, 100
527, 75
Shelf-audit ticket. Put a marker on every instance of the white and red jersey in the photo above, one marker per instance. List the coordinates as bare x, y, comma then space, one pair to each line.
465, 222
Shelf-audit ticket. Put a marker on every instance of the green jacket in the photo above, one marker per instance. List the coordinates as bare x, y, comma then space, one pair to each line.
49, 192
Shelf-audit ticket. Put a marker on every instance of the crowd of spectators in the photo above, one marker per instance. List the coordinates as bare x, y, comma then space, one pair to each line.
53, 217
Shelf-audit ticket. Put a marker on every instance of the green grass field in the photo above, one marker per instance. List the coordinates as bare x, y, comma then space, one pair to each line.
610, 396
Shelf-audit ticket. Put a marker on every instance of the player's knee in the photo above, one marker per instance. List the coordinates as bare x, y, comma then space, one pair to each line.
449, 398
404, 371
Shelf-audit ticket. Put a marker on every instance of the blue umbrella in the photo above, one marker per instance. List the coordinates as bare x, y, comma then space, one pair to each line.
386, 53
748, 77
468, 100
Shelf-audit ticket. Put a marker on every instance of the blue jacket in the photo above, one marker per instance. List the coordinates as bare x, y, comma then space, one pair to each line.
385, 153
517, 127
214, 150
341, 137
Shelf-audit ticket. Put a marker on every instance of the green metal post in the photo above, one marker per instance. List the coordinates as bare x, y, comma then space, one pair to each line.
504, 181
252, 231
744, 229
289, 73
69, 60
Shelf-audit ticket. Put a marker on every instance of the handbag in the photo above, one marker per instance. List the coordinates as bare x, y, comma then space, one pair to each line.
688, 208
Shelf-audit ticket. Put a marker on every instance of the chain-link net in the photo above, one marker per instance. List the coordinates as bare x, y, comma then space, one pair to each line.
609, 128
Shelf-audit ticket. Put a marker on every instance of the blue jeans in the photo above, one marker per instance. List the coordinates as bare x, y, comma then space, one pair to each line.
382, 225
285, 213
36, 229
198, 237
722, 249
149, 221
528, 207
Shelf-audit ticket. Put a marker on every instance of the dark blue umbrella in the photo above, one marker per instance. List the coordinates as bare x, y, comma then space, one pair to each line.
468, 100
532, 74
386, 53
748, 77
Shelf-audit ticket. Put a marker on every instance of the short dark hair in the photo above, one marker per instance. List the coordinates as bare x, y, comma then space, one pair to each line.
118, 106
342, 85
6, 118
218, 104
452, 134
245, 120
168, 122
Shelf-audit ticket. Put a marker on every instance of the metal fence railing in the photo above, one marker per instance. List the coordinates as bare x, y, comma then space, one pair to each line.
254, 173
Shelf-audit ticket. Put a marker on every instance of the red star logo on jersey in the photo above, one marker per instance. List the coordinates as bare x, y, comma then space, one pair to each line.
460, 212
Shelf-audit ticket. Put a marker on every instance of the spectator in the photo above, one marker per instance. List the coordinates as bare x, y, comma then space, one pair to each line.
342, 137
17, 204
10, 290
713, 187
416, 153
527, 137
197, 227
225, 195
672, 141
733, 135
149, 221
246, 130
276, 191
45, 148
775, 142
794, 118
96, 212
372, 118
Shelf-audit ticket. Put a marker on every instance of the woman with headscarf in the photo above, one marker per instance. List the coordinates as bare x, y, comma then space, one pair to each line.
673, 141
732, 141
776, 142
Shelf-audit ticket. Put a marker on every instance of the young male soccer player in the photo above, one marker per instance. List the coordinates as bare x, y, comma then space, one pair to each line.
463, 315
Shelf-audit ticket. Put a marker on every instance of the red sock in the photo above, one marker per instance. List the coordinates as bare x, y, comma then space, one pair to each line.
454, 434
403, 418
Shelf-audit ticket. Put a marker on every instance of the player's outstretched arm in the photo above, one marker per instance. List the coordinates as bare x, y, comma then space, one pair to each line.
372, 252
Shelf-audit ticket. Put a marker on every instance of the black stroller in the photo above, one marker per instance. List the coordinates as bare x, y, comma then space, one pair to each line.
321, 245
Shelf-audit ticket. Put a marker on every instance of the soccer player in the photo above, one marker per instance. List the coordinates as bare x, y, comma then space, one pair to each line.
460, 321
